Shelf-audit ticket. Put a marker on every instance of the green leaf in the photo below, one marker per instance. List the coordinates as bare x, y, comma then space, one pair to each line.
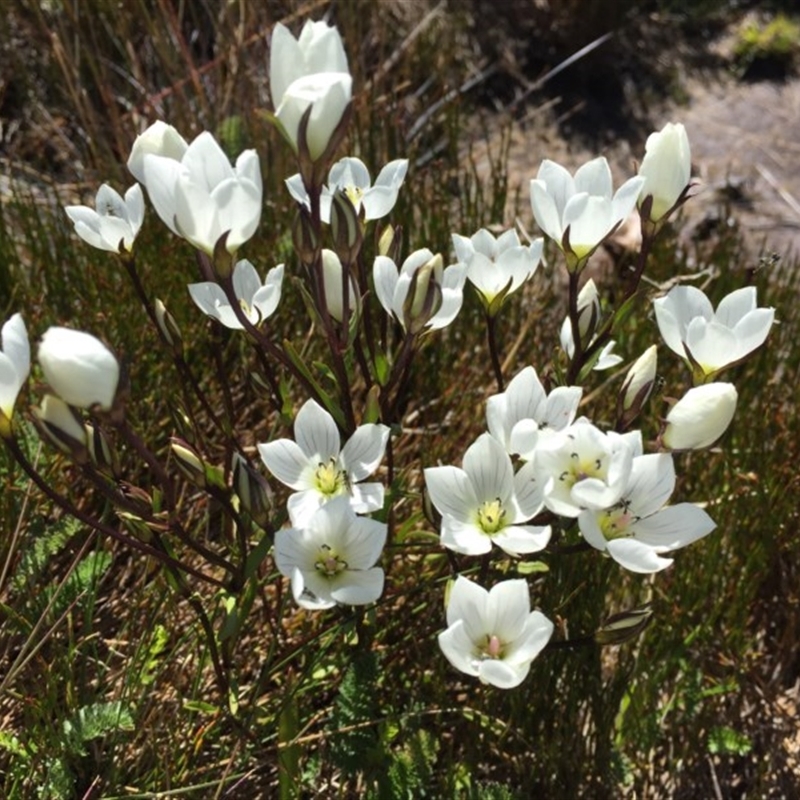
727, 741
530, 567
94, 722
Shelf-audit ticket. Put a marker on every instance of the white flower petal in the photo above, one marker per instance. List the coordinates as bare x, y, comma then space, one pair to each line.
363, 452
316, 433
637, 556
451, 491
287, 462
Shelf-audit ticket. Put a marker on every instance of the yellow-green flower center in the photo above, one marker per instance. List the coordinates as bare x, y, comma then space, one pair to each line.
328, 562
615, 521
582, 468
491, 516
329, 480
354, 195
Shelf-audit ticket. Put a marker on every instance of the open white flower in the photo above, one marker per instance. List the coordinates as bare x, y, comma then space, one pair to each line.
523, 414
423, 294
579, 212
485, 502
350, 175
493, 635
639, 528
331, 558
666, 168
319, 468
201, 197
80, 369
15, 364
700, 417
114, 222
712, 340
582, 467
496, 267
258, 301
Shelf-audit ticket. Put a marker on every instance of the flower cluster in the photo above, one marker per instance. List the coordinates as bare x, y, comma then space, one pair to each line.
542, 472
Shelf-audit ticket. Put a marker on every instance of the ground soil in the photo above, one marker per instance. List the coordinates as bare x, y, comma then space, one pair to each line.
745, 154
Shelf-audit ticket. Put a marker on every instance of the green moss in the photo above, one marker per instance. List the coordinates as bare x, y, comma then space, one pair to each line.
775, 43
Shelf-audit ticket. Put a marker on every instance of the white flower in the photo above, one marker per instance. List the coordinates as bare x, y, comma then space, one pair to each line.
712, 340
350, 175
331, 558
423, 294
485, 502
639, 528
496, 267
159, 139
579, 212
582, 467
588, 317
309, 71
257, 301
523, 414
80, 369
700, 417
666, 168
493, 635
201, 197
113, 223
319, 468
15, 364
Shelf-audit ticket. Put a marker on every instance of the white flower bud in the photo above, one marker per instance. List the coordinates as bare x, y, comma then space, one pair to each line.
639, 380
159, 139
700, 417
59, 423
80, 369
328, 95
332, 279
666, 168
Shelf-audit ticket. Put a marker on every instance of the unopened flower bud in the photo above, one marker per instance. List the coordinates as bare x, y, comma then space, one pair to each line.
623, 627
193, 465
304, 237
700, 417
252, 490
588, 310
167, 326
62, 426
424, 295
333, 283
637, 386
386, 242
667, 169
80, 369
346, 227
101, 452
159, 139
